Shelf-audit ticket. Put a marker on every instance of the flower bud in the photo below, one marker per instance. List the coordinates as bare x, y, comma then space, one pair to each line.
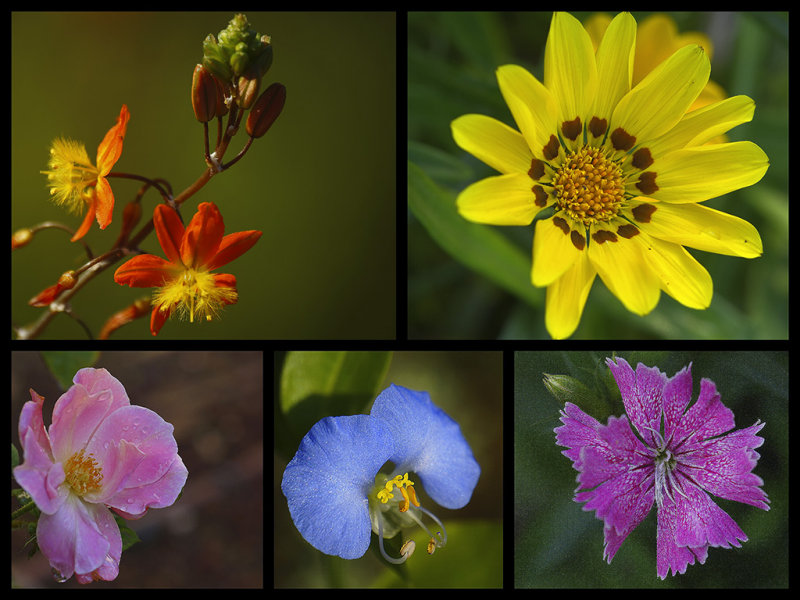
266, 109
248, 90
68, 280
21, 238
204, 94
236, 49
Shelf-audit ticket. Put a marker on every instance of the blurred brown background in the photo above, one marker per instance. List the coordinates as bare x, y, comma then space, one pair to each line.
211, 537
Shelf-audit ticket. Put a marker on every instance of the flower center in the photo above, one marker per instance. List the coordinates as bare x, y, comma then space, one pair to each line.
589, 186
82, 474
194, 292
406, 487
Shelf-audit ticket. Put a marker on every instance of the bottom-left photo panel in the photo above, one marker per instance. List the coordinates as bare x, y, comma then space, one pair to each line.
137, 469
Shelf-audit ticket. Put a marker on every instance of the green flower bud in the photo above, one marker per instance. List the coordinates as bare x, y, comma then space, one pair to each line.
239, 47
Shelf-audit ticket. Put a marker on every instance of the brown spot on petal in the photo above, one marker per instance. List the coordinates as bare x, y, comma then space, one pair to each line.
561, 224
537, 169
598, 126
540, 196
577, 240
601, 236
647, 183
572, 129
642, 158
643, 212
628, 231
622, 140
550, 151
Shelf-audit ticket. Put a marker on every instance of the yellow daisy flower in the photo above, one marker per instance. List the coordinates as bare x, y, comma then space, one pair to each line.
621, 170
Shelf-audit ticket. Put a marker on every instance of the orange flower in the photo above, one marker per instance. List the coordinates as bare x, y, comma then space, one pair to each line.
75, 182
184, 280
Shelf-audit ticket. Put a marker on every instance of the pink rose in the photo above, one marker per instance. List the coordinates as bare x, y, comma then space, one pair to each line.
100, 453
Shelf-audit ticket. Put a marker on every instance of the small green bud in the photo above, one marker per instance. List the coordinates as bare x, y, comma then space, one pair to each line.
238, 48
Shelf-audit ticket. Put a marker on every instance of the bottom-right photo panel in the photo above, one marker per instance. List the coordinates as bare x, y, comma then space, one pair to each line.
651, 469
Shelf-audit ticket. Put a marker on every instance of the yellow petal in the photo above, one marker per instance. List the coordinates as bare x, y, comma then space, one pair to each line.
681, 276
566, 298
696, 226
624, 271
662, 98
493, 142
614, 65
703, 172
570, 70
703, 124
499, 200
557, 244
532, 105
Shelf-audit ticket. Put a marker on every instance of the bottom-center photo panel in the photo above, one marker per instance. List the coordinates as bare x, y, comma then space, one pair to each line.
388, 469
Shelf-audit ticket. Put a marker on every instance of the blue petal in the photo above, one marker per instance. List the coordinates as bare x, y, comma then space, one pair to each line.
327, 481
430, 443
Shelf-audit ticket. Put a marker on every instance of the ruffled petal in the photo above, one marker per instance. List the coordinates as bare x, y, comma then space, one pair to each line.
80, 410
500, 200
429, 443
493, 142
80, 538
642, 396
327, 481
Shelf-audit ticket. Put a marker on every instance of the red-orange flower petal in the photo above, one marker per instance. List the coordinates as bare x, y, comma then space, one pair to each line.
105, 202
157, 319
203, 236
91, 212
232, 247
229, 281
170, 231
110, 149
145, 270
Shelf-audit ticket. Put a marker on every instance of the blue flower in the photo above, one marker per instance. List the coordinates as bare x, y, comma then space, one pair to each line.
337, 494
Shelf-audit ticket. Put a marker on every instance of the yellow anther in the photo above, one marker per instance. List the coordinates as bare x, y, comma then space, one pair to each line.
431, 546
405, 485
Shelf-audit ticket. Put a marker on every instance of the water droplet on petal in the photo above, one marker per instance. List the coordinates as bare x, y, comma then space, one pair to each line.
57, 576
130, 500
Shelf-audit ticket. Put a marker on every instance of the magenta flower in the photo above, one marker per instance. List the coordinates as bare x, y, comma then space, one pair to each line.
678, 457
100, 453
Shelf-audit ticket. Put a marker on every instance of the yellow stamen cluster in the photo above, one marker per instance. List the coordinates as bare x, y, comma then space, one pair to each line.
83, 474
71, 174
406, 487
194, 292
589, 186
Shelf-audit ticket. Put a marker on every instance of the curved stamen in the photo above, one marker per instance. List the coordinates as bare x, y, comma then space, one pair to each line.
407, 549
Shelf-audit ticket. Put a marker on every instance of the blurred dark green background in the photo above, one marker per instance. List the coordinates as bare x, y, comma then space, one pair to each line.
452, 62
320, 185
557, 544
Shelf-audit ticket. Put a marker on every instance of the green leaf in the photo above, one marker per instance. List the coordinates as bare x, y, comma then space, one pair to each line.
129, 537
479, 247
64, 365
319, 384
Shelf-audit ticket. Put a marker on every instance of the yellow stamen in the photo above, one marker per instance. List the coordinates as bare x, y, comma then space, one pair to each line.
83, 474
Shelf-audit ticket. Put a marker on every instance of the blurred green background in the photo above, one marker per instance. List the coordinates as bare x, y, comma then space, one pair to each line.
452, 62
557, 544
320, 185
468, 386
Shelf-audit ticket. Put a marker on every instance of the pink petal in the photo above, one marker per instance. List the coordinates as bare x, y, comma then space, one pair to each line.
80, 410
706, 418
80, 538
38, 475
136, 450
677, 395
159, 494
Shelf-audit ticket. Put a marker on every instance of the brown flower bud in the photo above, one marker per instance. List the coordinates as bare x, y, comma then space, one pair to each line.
21, 238
248, 91
266, 109
204, 94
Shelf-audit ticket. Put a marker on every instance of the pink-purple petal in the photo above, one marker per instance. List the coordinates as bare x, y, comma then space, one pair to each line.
79, 537
677, 395
641, 394
706, 418
81, 409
